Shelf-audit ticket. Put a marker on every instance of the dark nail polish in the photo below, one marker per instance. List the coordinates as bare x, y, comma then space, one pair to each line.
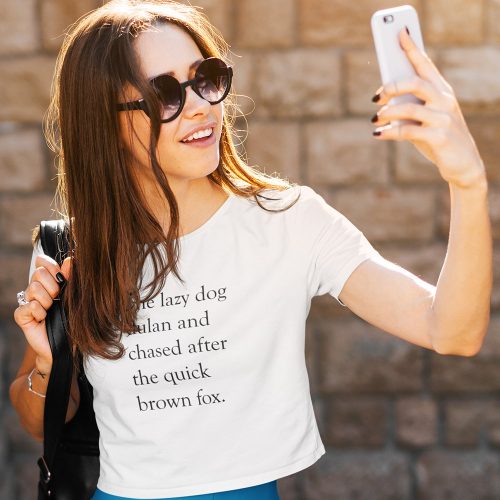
60, 278
374, 118
376, 98
407, 30
377, 132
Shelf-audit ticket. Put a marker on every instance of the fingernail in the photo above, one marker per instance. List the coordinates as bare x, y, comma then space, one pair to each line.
374, 118
377, 132
376, 98
407, 30
60, 278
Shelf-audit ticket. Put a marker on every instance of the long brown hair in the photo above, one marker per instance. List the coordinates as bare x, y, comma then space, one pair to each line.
111, 230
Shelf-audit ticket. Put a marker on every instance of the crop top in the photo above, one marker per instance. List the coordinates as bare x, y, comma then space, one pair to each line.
213, 392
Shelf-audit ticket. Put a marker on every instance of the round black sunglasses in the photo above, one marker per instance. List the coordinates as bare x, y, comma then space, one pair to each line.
211, 82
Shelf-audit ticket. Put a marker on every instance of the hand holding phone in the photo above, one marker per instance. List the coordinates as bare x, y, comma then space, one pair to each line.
393, 63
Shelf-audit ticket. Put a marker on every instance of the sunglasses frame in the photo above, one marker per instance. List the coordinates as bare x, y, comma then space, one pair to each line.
141, 105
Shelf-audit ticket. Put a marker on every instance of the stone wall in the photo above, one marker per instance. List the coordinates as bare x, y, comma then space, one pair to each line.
398, 421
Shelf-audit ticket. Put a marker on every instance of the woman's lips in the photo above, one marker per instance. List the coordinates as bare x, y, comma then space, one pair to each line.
203, 142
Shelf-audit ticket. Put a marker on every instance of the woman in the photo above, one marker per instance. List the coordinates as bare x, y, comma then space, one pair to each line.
192, 273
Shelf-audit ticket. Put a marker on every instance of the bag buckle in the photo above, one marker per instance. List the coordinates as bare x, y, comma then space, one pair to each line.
45, 469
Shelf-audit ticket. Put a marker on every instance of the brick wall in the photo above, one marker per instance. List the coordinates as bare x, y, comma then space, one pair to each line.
398, 421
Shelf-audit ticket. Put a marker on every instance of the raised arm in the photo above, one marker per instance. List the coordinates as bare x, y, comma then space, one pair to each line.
453, 316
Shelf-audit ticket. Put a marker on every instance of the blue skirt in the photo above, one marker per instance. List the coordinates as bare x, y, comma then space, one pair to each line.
267, 491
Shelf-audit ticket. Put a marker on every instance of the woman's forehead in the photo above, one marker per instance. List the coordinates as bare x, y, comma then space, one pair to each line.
166, 48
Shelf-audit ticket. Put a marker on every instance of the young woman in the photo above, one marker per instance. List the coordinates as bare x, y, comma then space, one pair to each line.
192, 273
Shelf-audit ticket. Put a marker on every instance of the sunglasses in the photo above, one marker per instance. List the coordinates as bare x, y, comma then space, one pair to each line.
211, 82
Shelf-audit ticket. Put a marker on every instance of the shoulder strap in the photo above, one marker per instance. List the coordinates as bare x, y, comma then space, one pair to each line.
55, 244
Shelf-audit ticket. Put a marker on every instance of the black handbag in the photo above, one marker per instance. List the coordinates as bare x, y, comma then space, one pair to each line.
69, 467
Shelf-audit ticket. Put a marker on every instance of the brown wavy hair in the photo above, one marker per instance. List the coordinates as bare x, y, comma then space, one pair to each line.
111, 230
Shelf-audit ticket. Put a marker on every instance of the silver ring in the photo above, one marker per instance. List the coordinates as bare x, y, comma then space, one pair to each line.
21, 299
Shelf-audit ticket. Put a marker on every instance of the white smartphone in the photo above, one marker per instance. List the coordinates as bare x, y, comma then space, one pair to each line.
393, 63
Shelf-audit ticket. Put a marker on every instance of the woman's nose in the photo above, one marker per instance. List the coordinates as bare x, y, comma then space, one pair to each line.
194, 103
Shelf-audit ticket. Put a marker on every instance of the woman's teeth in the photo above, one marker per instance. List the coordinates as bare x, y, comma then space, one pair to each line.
199, 135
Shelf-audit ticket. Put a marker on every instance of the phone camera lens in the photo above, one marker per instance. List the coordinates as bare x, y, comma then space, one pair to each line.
388, 19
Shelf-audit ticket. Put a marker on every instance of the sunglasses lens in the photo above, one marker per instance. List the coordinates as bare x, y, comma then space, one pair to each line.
169, 94
213, 79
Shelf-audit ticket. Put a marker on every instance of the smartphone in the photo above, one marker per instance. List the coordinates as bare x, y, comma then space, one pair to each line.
393, 63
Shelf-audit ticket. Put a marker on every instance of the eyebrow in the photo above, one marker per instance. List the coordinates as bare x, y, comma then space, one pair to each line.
191, 67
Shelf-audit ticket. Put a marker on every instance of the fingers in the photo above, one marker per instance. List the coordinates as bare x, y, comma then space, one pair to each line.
49, 264
66, 267
421, 62
42, 279
37, 291
422, 89
410, 111
36, 310
412, 133
43, 289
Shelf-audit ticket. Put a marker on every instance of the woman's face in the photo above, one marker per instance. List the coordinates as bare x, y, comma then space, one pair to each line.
171, 49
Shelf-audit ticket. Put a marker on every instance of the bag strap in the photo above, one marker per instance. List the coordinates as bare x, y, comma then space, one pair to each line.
54, 240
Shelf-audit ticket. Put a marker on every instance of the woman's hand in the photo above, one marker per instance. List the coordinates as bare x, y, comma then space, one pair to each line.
441, 135
43, 288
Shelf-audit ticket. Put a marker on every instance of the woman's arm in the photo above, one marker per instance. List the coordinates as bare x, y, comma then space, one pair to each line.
29, 406
452, 317
45, 283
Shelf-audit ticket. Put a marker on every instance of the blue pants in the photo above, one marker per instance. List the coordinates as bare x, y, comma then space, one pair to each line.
266, 491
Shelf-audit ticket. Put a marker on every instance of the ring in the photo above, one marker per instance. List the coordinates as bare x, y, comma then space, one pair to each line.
21, 299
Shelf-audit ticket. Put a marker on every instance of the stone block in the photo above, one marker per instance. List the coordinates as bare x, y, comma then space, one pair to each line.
298, 83
325, 307
14, 277
493, 20
387, 213
19, 438
480, 373
359, 475
443, 19
416, 421
486, 131
345, 152
25, 94
275, 147
18, 27
469, 72
27, 473
58, 15
458, 475
472, 422
22, 165
264, 24
289, 487
243, 83
358, 358
19, 215
411, 167
425, 261
340, 22
7, 483
15, 341
358, 422
495, 296
219, 13
362, 77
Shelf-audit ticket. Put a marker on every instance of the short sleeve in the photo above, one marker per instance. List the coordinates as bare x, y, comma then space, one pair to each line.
338, 249
37, 250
